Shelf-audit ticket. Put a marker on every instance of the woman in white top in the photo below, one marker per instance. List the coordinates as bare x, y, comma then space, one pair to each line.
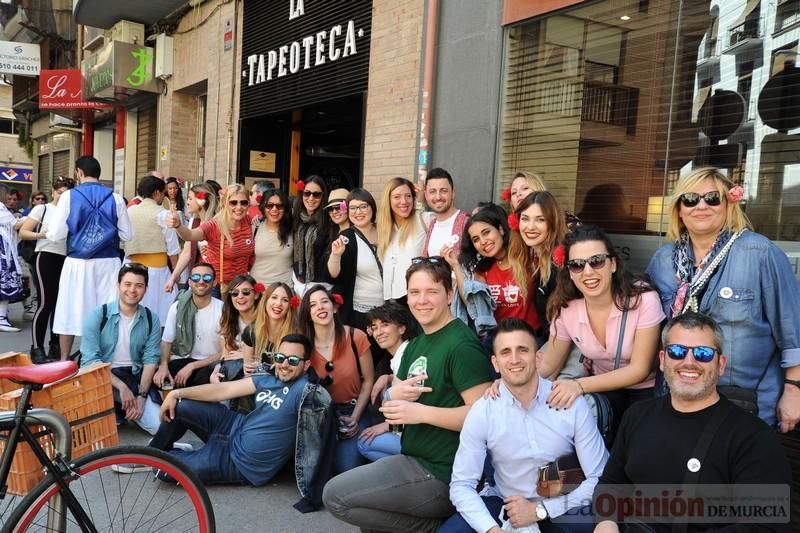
48, 262
401, 236
273, 240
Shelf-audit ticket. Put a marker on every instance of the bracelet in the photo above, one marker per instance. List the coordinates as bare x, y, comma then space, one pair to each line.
579, 385
180, 396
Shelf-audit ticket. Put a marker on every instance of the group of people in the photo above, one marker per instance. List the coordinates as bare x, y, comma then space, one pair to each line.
457, 350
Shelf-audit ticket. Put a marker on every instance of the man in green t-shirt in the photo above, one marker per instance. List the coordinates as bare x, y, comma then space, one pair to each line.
442, 373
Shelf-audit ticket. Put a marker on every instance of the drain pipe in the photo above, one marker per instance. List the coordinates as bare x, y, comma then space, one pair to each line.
425, 107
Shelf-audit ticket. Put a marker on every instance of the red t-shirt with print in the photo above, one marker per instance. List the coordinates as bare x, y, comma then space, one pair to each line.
236, 259
508, 297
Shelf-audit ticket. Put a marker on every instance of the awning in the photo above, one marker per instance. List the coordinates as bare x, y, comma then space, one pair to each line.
699, 100
749, 8
104, 14
781, 2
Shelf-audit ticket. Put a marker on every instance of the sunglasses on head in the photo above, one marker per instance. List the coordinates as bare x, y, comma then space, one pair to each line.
244, 292
597, 262
701, 354
207, 278
270, 206
293, 360
310, 194
691, 199
433, 259
234, 203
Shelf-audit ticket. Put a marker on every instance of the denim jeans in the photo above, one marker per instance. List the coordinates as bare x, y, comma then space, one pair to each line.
212, 423
347, 456
394, 494
383, 445
457, 524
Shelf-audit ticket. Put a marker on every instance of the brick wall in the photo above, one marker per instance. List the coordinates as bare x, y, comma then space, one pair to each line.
392, 100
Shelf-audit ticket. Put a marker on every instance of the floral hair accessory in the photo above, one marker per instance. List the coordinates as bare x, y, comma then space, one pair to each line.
337, 298
343, 206
559, 256
294, 302
258, 198
506, 195
259, 288
180, 182
300, 185
513, 221
736, 194
200, 195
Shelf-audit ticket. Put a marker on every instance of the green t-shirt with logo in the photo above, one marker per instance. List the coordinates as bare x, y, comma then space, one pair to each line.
454, 361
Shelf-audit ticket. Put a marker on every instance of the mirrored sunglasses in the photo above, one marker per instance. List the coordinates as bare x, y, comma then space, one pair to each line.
691, 199
597, 262
207, 278
701, 354
293, 360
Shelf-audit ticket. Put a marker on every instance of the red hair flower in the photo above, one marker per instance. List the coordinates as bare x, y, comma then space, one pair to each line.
559, 256
300, 185
506, 195
513, 221
200, 195
259, 288
294, 302
736, 194
258, 198
337, 298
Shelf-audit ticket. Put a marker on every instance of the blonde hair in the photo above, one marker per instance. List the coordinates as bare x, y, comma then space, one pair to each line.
386, 221
735, 219
534, 180
262, 333
223, 217
210, 204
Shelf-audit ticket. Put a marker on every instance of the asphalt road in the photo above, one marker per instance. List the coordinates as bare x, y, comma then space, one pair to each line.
237, 509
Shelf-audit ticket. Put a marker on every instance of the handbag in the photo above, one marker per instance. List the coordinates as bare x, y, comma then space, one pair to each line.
27, 248
562, 476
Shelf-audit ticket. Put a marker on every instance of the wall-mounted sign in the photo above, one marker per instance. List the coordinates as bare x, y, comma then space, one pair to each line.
119, 70
22, 59
262, 161
61, 89
16, 175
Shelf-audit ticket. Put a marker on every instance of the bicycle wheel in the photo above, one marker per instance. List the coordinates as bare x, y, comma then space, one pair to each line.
116, 501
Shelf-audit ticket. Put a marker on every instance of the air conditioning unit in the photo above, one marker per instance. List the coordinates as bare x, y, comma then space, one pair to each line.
164, 52
57, 121
126, 31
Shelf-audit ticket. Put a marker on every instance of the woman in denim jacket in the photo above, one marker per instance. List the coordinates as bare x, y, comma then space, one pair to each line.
717, 265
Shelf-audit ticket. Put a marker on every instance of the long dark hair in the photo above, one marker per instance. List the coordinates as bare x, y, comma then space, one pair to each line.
319, 215
626, 289
306, 325
468, 256
285, 224
229, 323
179, 203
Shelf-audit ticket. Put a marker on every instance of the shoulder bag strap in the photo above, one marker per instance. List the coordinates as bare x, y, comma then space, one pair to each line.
623, 322
369, 245
355, 353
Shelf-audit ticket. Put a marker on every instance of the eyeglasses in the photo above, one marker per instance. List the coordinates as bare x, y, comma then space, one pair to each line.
701, 354
597, 262
244, 292
314, 194
293, 360
359, 208
691, 199
234, 203
270, 206
207, 278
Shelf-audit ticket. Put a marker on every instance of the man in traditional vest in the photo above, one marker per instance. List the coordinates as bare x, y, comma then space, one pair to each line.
154, 245
94, 220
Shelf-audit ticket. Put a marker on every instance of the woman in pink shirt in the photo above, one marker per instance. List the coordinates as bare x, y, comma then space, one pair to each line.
593, 297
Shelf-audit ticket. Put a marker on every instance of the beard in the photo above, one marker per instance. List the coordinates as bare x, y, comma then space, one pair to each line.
700, 390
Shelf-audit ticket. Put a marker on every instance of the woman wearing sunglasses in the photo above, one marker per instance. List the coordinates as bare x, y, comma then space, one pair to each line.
274, 320
353, 264
310, 235
613, 317
228, 236
273, 239
401, 236
717, 265
343, 361
336, 208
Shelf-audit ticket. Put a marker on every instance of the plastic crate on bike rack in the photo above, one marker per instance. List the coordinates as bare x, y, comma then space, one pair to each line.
12, 359
86, 401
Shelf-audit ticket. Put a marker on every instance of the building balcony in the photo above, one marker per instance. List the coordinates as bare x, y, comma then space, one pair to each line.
104, 14
744, 37
707, 55
615, 105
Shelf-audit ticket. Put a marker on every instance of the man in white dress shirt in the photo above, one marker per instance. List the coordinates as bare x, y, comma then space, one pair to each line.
522, 433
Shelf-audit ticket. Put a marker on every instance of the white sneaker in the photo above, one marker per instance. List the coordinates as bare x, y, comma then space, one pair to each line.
6, 325
183, 446
130, 469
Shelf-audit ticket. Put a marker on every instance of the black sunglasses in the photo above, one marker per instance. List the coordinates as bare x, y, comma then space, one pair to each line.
293, 360
702, 354
243, 203
40, 198
691, 199
433, 259
270, 206
245, 292
207, 278
309, 194
597, 262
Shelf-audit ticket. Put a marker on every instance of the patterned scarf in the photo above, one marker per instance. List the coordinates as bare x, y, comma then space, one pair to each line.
685, 273
303, 249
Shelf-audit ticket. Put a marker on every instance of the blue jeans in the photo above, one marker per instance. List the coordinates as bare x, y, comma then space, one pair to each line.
346, 456
457, 524
383, 445
212, 423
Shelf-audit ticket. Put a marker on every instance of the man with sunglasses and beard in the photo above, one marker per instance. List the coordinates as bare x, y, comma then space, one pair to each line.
190, 344
240, 449
691, 438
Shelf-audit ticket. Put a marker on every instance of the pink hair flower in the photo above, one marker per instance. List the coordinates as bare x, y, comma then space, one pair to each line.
559, 256
300, 185
337, 299
736, 194
506, 194
294, 302
259, 288
343, 206
513, 221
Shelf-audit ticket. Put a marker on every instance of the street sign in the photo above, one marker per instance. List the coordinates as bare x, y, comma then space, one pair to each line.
22, 59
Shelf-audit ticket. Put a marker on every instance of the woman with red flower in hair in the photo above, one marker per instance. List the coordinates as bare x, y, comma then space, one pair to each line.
310, 234
275, 318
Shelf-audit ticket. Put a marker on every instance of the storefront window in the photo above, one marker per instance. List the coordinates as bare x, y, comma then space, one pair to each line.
612, 102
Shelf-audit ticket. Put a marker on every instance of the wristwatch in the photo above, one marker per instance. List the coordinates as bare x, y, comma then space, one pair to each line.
541, 511
795, 382
142, 395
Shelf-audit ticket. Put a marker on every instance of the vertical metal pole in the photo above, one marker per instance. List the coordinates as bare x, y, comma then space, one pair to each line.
425, 110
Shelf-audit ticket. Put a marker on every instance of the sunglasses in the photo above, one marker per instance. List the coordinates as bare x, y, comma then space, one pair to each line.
271, 206
310, 194
434, 260
40, 198
293, 360
701, 354
597, 262
691, 199
244, 292
207, 278
242, 203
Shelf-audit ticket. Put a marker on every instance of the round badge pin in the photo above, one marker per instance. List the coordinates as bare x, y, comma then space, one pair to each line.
453, 240
693, 465
725, 292
345, 240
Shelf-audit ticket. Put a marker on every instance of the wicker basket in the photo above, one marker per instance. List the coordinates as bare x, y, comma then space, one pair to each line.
86, 401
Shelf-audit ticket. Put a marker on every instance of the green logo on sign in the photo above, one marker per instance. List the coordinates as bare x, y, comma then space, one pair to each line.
140, 74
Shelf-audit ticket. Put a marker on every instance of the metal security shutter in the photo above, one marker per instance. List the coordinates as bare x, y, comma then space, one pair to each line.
146, 139
61, 164
46, 175
266, 29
